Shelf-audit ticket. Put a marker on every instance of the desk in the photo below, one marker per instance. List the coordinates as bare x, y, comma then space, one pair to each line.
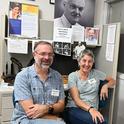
6, 105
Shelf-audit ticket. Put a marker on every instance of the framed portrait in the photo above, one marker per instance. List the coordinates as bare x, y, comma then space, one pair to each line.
20, 28
92, 35
52, 1
86, 17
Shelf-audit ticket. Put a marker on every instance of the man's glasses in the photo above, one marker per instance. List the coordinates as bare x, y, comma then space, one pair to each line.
74, 7
43, 54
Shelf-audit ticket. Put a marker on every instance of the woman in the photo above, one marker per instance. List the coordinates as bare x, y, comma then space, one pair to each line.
15, 12
83, 91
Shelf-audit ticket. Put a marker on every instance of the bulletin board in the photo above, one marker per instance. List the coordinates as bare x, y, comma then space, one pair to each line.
23, 20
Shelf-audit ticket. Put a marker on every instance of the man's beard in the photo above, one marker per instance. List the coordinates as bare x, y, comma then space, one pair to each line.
42, 64
45, 66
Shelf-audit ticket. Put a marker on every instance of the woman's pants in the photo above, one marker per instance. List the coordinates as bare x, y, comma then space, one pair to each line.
75, 115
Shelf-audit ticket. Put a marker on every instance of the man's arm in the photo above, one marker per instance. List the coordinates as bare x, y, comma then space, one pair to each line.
40, 110
25, 104
59, 106
33, 110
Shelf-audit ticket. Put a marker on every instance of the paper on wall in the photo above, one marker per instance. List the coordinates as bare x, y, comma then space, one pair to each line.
109, 52
18, 46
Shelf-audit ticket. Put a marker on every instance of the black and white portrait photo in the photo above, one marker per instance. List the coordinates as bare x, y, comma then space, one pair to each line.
58, 45
66, 45
74, 12
67, 52
62, 48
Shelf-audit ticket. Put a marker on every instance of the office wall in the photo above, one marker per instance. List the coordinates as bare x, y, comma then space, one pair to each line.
46, 13
47, 9
116, 13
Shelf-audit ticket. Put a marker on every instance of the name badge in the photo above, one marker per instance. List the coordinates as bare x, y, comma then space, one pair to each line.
55, 92
92, 81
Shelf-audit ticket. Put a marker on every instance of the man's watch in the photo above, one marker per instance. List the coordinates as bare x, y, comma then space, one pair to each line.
51, 109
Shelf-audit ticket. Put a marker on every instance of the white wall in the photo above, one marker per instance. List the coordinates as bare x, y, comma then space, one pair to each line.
101, 12
116, 14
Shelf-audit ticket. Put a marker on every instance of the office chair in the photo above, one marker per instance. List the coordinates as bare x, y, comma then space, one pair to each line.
13, 99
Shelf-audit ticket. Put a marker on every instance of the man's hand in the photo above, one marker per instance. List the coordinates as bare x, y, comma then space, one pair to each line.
37, 111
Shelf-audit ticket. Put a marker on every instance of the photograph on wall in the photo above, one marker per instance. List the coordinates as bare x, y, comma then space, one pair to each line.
66, 49
58, 51
62, 48
57, 45
92, 35
15, 18
74, 12
77, 48
66, 52
15, 10
66, 45
23, 20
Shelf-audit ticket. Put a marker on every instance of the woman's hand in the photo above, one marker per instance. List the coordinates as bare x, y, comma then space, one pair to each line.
96, 115
104, 92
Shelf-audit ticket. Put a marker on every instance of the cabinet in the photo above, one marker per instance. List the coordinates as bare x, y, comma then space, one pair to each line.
6, 105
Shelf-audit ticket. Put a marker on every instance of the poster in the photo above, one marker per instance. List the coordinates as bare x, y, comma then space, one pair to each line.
77, 12
18, 46
23, 20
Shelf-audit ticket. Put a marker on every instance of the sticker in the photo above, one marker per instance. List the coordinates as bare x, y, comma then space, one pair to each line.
55, 92
92, 81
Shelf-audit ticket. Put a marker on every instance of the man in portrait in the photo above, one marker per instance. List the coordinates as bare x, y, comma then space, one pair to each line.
74, 12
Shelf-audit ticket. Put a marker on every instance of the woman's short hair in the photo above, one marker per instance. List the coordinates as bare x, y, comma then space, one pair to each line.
86, 52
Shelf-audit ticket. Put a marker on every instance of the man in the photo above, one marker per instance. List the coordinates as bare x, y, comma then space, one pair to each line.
73, 11
91, 38
38, 90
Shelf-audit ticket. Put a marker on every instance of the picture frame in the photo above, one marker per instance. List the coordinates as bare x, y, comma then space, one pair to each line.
52, 1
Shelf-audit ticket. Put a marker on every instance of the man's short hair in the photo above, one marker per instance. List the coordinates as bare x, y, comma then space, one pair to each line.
42, 42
